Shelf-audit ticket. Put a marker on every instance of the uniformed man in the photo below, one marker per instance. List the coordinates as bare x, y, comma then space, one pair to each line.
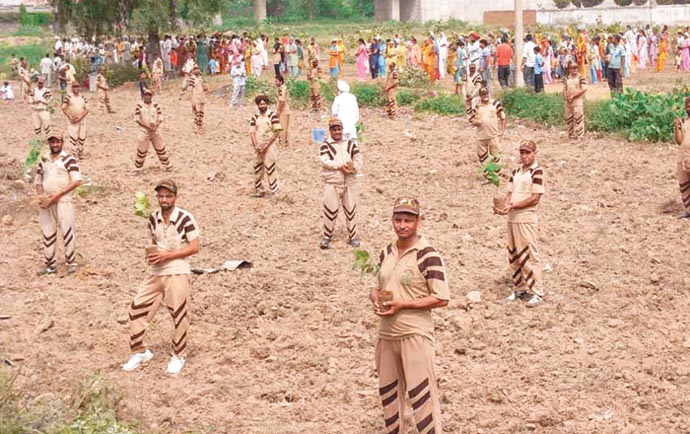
40, 99
24, 79
486, 117
174, 235
195, 86
75, 108
149, 117
525, 188
391, 91
471, 89
264, 128
157, 74
56, 177
283, 110
411, 282
103, 91
682, 136
341, 161
314, 77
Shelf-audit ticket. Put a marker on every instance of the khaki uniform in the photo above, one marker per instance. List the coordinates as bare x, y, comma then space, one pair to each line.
471, 90
683, 166
75, 105
103, 91
195, 87
391, 103
574, 111
54, 176
40, 116
24, 82
284, 115
522, 231
265, 126
340, 186
405, 346
314, 75
156, 75
147, 115
168, 281
488, 130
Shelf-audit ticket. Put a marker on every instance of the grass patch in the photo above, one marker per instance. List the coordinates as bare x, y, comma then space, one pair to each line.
32, 52
548, 109
442, 105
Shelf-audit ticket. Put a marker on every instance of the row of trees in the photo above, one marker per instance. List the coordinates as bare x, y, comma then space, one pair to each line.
590, 3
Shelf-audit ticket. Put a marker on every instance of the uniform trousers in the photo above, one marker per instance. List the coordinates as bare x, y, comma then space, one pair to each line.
684, 184
406, 370
333, 196
77, 137
524, 258
284, 137
41, 121
155, 139
391, 104
575, 120
265, 164
104, 101
59, 215
174, 290
488, 148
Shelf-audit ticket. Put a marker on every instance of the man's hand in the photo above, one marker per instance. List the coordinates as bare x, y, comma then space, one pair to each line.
504, 211
374, 299
158, 257
393, 307
678, 123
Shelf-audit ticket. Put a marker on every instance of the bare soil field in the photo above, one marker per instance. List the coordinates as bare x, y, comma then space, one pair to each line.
287, 346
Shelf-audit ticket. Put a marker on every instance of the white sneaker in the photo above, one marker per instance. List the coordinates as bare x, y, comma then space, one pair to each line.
515, 295
535, 301
176, 364
137, 359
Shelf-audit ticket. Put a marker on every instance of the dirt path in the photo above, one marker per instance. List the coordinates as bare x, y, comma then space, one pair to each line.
287, 347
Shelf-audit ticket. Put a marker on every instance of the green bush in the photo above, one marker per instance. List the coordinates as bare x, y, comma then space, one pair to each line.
600, 117
29, 30
443, 105
328, 90
648, 117
414, 77
545, 108
368, 95
405, 97
119, 74
260, 86
299, 92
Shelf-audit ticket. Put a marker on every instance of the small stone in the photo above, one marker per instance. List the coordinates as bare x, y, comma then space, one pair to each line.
7, 220
474, 296
615, 323
654, 278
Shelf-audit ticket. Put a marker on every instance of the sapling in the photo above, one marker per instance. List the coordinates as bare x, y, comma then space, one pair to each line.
36, 146
142, 206
360, 128
365, 266
491, 171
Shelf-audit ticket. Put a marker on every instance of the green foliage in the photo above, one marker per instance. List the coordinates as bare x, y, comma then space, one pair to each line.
34, 19
199, 12
36, 147
260, 86
364, 265
443, 105
142, 206
328, 91
491, 170
32, 52
599, 116
299, 92
414, 77
29, 30
368, 95
406, 97
118, 74
360, 129
545, 108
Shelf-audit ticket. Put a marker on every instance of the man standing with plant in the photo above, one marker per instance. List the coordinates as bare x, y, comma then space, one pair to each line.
174, 236
391, 91
75, 109
682, 136
195, 86
485, 117
264, 128
40, 115
574, 88
103, 90
340, 160
55, 178
149, 117
414, 272
525, 188
24, 79
283, 110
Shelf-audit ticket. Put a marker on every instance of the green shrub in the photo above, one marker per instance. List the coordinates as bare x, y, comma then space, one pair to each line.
299, 92
414, 77
443, 105
405, 97
599, 116
648, 117
260, 86
328, 90
368, 95
545, 108
119, 74
29, 30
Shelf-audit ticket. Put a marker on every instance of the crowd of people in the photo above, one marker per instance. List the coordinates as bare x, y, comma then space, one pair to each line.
412, 278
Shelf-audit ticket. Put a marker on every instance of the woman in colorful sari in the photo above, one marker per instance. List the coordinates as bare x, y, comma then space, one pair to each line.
333, 60
429, 59
642, 50
362, 60
663, 54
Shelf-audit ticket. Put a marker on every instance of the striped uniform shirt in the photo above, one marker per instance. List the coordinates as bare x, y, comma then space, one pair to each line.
147, 114
334, 155
74, 104
41, 98
181, 229
55, 175
524, 183
101, 82
417, 273
573, 85
392, 80
489, 115
265, 126
283, 97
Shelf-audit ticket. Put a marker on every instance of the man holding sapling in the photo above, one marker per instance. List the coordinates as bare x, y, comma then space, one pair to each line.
174, 236
486, 117
525, 189
412, 282
264, 128
340, 160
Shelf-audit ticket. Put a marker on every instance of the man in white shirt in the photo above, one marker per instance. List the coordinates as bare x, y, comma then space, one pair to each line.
527, 64
46, 66
167, 46
346, 109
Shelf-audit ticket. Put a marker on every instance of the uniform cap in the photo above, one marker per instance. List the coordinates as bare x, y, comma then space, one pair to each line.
148, 91
55, 133
528, 145
334, 121
167, 184
408, 205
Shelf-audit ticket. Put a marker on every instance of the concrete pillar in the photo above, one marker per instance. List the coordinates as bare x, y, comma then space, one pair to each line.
385, 10
519, 80
395, 10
